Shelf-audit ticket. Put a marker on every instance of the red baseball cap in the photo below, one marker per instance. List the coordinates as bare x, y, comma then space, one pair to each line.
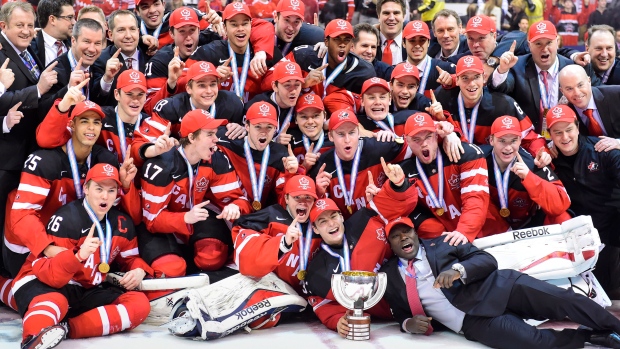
291, 8
337, 27
481, 24
199, 119
183, 16
405, 69
235, 8
542, 30
372, 82
309, 100
101, 172
506, 125
469, 64
559, 113
285, 71
262, 112
416, 28
321, 206
131, 79
398, 221
201, 69
300, 185
419, 122
341, 116
83, 107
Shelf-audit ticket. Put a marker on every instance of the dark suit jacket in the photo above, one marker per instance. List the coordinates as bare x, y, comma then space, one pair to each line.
614, 75
98, 70
605, 98
38, 46
17, 144
485, 294
522, 85
379, 55
434, 47
63, 68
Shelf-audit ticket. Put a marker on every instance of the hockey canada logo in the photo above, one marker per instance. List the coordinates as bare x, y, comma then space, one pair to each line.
408, 67
238, 6
290, 68
89, 104
507, 122
343, 115
381, 235
541, 28
455, 181
519, 202
321, 204
201, 184
417, 26
264, 110
476, 21
341, 24
375, 80
304, 183
204, 66
108, 170
185, 14
294, 5
419, 120
557, 112
134, 77
309, 99
468, 61
593, 166
206, 113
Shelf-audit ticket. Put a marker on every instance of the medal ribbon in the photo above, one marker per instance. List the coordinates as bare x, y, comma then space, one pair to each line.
239, 84
289, 115
328, 80
304, 246
425, 74
106, 239
437, 202
191, 175
474, 116
348, 194
317, 146
383, 126
404, 269
155, 33
74, 169
345, 263
121, 131
257, 188
501, 181
211, 109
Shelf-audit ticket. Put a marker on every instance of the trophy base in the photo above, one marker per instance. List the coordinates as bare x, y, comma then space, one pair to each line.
359, 327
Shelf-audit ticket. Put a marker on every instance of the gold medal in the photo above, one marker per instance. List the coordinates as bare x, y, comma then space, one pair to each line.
301, 275
440, 211
504, 212
350, 209
399, 140
104, 267
256, 205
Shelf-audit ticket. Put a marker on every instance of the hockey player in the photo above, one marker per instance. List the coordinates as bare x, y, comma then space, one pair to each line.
473, 107
309, 140
457, 193
405, 89
238, 26
279, 238
527, 193
62, 296
291, 30
263, 166
188, 197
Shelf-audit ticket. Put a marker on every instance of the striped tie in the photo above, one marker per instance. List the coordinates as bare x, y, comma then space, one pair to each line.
31, 64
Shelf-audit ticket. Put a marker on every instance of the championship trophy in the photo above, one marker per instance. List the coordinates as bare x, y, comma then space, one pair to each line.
357, 291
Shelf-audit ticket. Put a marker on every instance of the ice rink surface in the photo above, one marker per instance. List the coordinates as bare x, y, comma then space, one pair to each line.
298, 334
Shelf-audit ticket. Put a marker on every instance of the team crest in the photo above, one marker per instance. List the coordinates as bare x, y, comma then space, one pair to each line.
304, 183
89, 104
134, 77
375, 80
290, 68
468, 61
557, 112
321, 205
185, 14
381, 235
381, 179
417, 26
294, 4
476, 21
201, 184
264, 109
343, 115
520, 202
454, 181
238, 6
341, 24
507, 122
419, 120
593, 166
541, 28
309, 99
408, 67
108, 170
204, 66
206, 113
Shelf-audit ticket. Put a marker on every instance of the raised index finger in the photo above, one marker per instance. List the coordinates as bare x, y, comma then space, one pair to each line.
433, 99
128, 158
294, 223
290, 150
5, 64
225, 64
384, 165
83, 83
79, 65
322, 169
176, 51
519, 158
203, 204
321, 68
115, 55
91, 232
51, 66
513, 46
371, 180
16, 106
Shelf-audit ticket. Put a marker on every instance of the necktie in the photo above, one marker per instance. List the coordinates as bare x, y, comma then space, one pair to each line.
30, 64
59, 48
129, 63
594, 129
443, 59
387, 52
413, 297
542, 122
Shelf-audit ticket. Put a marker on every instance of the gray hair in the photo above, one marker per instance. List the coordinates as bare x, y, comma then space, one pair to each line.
7, 10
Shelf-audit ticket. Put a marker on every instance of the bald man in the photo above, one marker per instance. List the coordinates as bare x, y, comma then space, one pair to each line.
594, 106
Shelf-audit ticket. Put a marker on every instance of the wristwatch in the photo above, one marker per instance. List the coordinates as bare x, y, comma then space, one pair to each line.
460, 268
493, 62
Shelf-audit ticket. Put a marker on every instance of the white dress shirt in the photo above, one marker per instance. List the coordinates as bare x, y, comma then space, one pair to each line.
396, 47
50, 47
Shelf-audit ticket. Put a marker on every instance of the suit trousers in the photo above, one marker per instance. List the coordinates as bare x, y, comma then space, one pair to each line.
535, 299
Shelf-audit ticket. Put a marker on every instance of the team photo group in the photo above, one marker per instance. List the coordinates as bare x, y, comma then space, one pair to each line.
222, 167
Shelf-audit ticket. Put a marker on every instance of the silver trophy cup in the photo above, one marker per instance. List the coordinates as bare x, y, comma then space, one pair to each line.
358, 291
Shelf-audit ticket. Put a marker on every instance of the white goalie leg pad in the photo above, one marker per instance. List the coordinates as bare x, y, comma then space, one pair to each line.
231, 304
585, 284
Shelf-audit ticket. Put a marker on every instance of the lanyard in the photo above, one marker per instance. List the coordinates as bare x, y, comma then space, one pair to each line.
304, 246
289, 115
144, 31
348, 194
257, 188
383, 126
474, 116
211, 109
317, 146
106, 239
191, 175
121, 131
328, 80
501, 181
403, 267
438, 202
425, 74
345, 263
74, 168
237, 81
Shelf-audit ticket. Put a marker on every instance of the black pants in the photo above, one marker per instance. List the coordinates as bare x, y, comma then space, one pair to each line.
535, 299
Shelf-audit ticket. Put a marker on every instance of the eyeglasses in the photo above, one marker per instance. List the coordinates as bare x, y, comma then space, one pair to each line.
70, 18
